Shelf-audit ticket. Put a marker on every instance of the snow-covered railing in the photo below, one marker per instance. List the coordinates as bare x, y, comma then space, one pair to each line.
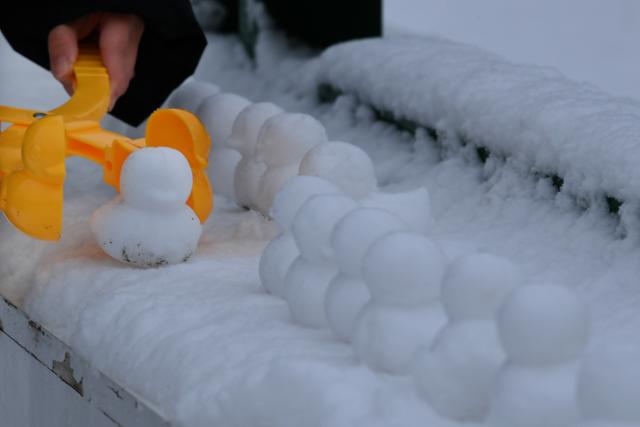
585, 141
47, 383
469, 331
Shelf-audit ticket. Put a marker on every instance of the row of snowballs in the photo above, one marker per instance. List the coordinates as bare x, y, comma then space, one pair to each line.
480, 343
258, 147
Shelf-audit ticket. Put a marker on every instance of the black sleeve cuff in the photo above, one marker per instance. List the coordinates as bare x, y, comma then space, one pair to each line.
169, 52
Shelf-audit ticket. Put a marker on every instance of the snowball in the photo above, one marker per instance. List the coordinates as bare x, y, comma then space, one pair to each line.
247, 179
286, 138
247, 125
314, 223
534, 396
150, 224
275, 261
456, 375
387, 338
344, 300
356, 232
543, 324
190, 94
305, 286
476, 285
217, 113
271, 182
156, 178
404, 268
221, 171
414, 207
346, 165
456, 248
146, 237
292, 196
609, 384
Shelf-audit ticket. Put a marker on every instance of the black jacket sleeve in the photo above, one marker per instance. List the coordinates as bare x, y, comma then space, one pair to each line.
170, 49
324, 23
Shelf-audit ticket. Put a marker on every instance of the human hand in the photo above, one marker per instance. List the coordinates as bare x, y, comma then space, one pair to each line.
118, 40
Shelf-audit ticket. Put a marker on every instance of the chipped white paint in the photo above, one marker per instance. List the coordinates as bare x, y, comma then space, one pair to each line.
46, 383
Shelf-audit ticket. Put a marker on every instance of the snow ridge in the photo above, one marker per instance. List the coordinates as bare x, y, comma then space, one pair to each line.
544, 122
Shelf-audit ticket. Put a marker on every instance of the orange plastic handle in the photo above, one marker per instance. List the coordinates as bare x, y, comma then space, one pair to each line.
34, 148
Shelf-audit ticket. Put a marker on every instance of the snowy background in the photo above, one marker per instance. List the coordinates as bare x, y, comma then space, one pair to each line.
207, 345
588, 40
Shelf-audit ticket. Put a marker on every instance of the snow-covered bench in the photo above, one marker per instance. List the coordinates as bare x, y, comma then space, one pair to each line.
206, 344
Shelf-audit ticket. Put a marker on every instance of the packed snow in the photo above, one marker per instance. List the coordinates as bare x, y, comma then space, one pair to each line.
342, 332
544, 331
346, 165
244, 138
191, 95
218, 113
351, 238
283, 142
476, 285
294, 194
413, 207
309, 276
150, 224
356, 232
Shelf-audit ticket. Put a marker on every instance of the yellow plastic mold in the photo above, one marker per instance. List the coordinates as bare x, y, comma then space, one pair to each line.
34, 148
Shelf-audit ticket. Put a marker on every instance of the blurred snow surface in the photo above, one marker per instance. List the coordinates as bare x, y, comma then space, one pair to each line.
208, 346
588, 40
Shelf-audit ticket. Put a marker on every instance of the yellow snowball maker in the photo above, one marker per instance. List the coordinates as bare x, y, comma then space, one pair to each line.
33, 150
